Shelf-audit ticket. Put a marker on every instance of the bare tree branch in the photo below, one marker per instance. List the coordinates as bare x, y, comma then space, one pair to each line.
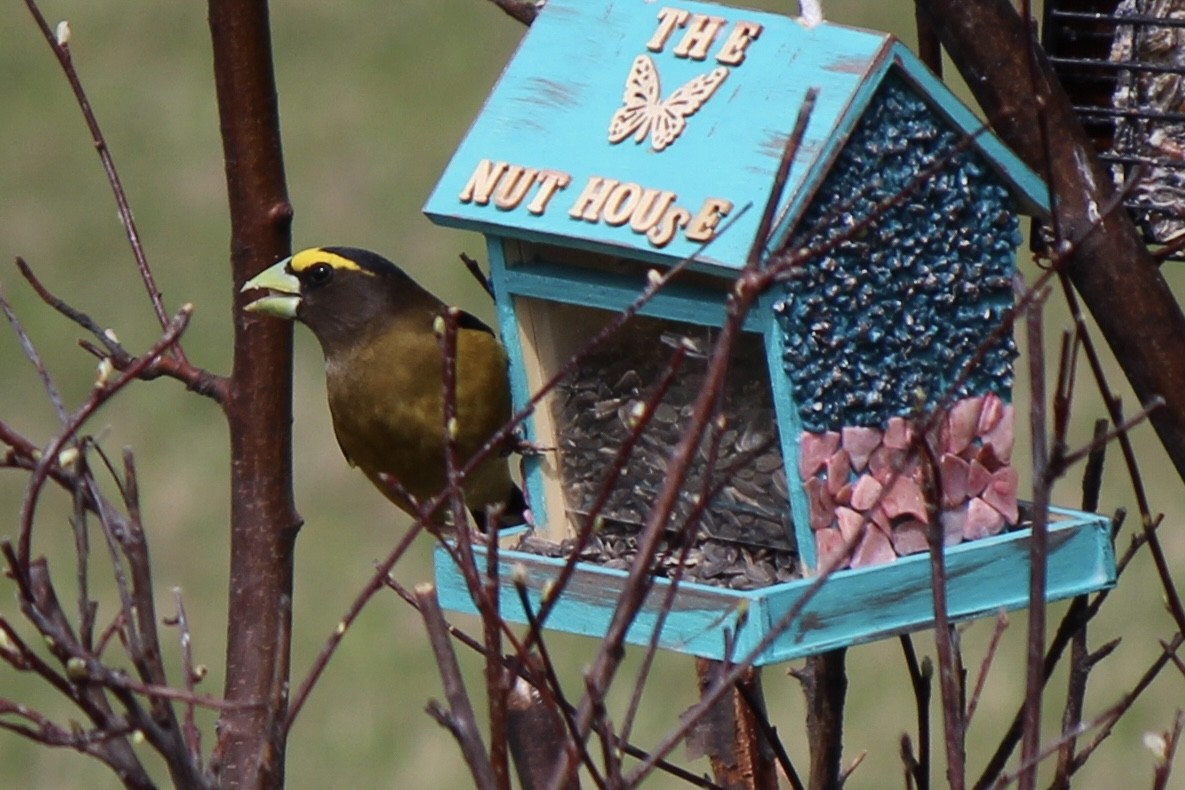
460, 718
61, 51
195, 379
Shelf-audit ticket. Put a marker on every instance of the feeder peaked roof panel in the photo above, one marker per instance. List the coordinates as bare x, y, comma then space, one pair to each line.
655, 131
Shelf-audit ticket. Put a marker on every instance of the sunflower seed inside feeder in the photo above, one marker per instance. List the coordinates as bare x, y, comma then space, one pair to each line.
739, 467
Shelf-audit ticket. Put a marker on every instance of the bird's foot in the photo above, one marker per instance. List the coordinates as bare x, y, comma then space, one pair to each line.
517, 444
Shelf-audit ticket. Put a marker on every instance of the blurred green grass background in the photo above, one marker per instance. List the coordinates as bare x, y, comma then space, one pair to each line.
374, 97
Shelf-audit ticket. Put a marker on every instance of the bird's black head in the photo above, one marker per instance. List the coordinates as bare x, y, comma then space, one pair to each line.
343, 294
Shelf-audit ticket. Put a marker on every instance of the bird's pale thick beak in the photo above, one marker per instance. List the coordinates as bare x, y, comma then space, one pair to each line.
283, 291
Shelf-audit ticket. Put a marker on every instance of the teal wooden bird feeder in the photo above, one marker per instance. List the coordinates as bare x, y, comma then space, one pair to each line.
626, 136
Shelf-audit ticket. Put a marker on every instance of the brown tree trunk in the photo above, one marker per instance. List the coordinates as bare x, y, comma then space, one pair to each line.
264, 521
731, 733
825, 683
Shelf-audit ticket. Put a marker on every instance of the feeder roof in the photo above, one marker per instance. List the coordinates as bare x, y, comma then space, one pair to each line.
655, 131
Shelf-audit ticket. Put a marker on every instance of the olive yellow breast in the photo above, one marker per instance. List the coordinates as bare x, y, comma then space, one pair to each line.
387, 402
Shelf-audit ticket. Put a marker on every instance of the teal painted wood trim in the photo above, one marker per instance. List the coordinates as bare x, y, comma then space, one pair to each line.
520, 392
789, 434
1031, 191
558, 283
703, 257
850, 607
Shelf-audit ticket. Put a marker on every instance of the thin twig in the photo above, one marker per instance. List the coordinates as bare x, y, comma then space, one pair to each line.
1167, 750
1070, 458
1129, 699
921, 678
195, 379
498, 680
950, 682
61, 51
986, 665
193, 736
376, 582
1080, 659
98, 742
87, 609
1092, 475
1104, 722
22, 658
30, 351
1039, 547
758, 251
98, 397
460, 719
1176, 608
112, 529
483, 587
474, 268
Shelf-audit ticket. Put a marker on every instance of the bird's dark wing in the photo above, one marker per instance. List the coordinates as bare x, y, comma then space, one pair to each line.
467, 320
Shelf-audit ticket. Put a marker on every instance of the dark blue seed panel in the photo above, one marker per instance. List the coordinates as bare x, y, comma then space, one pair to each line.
895, 312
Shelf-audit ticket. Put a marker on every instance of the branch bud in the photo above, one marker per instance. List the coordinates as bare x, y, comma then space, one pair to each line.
68, 457
1156, 743
106, 372
518, 575
76, 668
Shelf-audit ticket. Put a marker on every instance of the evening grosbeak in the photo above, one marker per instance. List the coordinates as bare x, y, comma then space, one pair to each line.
377, 328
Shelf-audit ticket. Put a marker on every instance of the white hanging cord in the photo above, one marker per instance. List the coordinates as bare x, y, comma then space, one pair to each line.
810, 12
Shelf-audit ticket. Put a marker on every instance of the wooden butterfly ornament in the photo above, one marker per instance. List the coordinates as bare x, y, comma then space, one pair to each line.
646, 112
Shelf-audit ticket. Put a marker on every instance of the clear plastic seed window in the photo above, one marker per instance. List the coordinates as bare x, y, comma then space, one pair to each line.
614, 435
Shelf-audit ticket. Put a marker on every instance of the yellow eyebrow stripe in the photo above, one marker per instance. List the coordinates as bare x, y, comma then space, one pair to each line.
306, 258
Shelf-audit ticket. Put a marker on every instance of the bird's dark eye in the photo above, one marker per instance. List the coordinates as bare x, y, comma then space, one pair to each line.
318, 274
